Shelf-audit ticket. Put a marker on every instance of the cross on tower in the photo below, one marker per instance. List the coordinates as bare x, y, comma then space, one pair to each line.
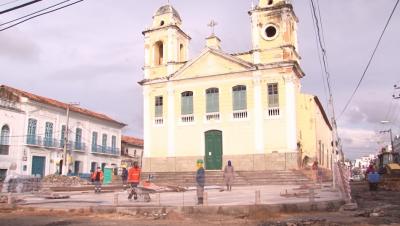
212, 24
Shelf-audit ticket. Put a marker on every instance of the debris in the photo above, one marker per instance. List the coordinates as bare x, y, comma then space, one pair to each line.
56, 196
349, 207
61, 180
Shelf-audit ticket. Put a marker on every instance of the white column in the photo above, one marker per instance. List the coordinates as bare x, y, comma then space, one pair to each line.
255, 38
258, 114
146, 122
172, 51
291, 114
171, 121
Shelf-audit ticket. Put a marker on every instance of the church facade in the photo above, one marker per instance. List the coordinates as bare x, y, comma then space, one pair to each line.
244, 107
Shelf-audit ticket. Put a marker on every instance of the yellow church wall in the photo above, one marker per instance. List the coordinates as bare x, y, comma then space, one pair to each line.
312, 130
246, 57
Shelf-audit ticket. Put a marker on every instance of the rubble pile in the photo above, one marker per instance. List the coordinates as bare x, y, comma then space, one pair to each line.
21, 184
391, 183
61, 180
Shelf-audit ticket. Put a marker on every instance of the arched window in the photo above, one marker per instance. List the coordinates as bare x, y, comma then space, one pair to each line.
212, 99
187, 103
181, 53
5, 135
158, 53
239, 97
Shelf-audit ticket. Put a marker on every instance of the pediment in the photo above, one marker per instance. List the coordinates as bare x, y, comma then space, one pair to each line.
211, 62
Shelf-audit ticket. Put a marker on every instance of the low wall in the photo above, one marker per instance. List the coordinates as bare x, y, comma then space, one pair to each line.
256, 162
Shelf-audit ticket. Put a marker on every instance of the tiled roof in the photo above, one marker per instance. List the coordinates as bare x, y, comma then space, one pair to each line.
132, 140
58, 104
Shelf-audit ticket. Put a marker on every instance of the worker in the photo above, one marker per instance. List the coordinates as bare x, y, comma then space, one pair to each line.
133, 180
124, 177
97, 178
200, 180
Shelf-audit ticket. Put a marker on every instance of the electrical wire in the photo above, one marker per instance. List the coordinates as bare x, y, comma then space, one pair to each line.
34, 12
10, 2
20, 6
319, 56
370, 60
41, 14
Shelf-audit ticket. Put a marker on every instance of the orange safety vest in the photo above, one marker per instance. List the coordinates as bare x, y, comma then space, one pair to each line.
134, 175
93, 177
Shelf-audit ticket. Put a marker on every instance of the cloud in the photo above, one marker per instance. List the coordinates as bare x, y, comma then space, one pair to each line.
358, 142
17, 46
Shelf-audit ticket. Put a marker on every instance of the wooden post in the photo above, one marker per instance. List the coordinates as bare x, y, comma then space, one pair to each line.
116, 199
10, 198
159, 199
257, 197
311, 195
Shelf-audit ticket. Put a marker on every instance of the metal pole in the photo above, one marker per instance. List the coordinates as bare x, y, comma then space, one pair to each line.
64, 169
391, 139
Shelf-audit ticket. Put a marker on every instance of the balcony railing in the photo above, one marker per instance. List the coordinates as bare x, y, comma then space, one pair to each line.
187, 118
241, 114
158, 120
4, 149
54, 143
99, 149
212, 116
273, 112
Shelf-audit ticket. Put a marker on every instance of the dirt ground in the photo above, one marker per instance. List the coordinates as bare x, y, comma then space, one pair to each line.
374, 208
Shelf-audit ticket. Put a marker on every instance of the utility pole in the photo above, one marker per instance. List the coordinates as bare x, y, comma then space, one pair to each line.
391, 136
396, 96
66, 135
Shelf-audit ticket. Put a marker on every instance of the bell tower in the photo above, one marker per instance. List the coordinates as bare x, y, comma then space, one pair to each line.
166, 44
274, 32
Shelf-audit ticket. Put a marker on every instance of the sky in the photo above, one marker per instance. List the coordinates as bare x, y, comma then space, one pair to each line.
93, 53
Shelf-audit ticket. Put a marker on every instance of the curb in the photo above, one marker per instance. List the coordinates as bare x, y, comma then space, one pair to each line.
248, 210
244, 210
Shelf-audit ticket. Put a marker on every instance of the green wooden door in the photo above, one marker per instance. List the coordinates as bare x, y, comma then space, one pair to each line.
213, 150
38, 164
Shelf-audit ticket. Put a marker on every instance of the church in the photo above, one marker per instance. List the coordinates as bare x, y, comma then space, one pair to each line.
245, 107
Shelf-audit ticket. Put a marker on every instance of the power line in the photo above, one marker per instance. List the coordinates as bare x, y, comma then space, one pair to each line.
370, 60
35, 12
10, 2
319, 56
29, 18
19, 6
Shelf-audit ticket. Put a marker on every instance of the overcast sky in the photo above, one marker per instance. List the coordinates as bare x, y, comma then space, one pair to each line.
92, 53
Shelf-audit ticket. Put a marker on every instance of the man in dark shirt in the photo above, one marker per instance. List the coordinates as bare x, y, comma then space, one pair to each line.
200, 180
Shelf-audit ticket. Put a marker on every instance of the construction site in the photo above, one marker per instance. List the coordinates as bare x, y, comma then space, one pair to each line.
257, 198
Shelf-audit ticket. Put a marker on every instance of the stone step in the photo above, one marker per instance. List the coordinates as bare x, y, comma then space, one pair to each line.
241, 178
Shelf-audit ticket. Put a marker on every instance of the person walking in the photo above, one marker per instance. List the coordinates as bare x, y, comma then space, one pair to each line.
124, 177
229, 175
317, 172
97, 178
200, 180
134, 180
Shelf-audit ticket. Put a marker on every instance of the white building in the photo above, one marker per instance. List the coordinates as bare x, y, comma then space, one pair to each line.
364, 161
33, 132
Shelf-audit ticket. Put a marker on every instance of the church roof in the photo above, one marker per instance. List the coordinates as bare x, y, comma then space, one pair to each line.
167, 9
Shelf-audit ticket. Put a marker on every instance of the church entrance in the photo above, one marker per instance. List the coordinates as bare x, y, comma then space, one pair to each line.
213, 150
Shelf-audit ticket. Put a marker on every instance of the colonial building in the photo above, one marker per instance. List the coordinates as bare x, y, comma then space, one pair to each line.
244, 107
33, 132
132, 149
